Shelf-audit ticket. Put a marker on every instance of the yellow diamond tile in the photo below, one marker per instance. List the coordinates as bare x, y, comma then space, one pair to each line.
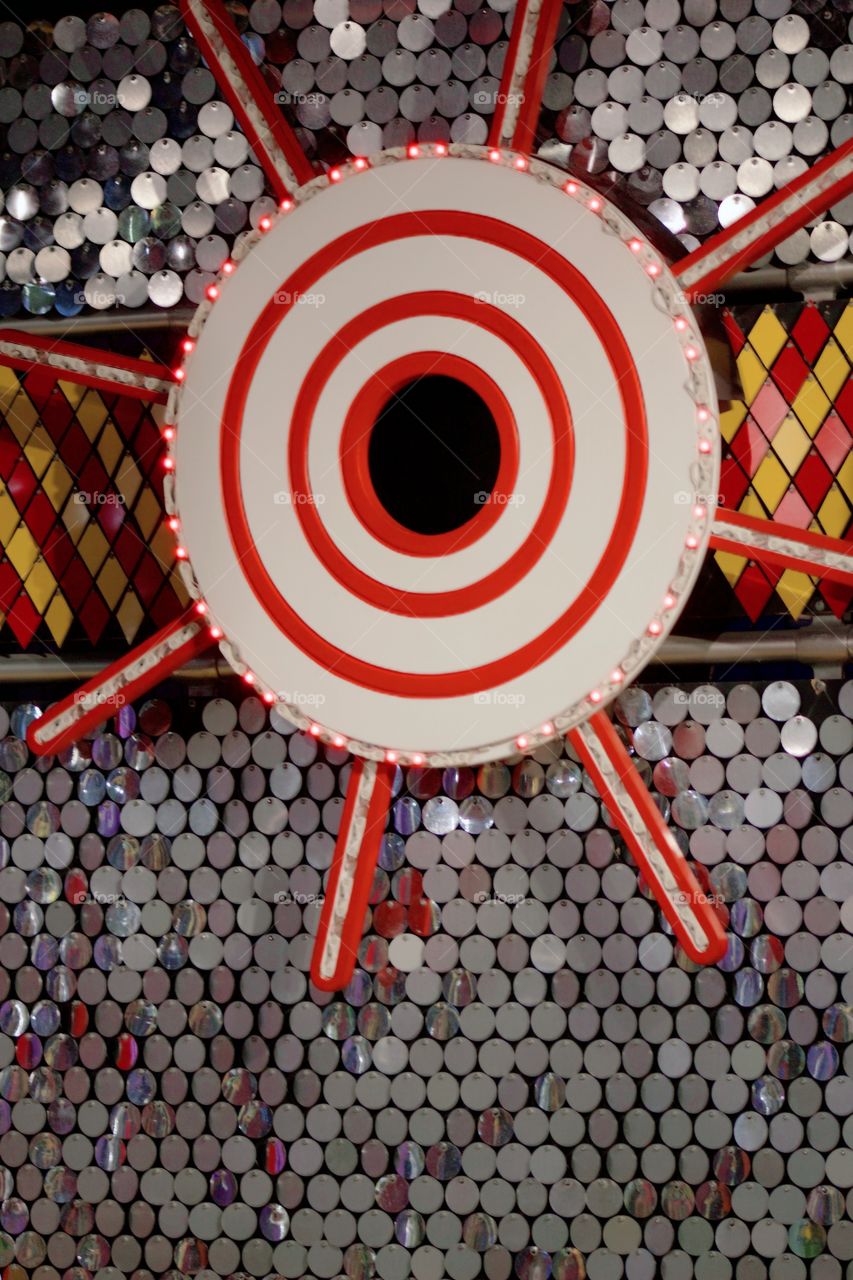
149, 514
130, 614
39, 450
110, 447
767, 337
40, 584
9, 518
832, 369
791, 444
22, 551
22, 416
770, 482
59, 617
834, 514
752, 373
91, 413
844, 330
811, 405
750, 505
795, 590
162, 546
9, 386
731, 565
112, 580
73, 392
731, 418
75, 517
127, 479
844, 476
56, 483
93, 547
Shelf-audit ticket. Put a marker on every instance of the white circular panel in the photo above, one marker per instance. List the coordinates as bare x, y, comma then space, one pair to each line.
519, 623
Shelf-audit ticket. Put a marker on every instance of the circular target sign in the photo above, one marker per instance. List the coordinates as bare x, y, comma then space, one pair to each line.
445, 454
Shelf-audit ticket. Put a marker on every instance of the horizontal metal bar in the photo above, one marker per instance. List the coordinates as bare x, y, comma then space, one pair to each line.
19, 669
809, 277
804, 279
815, 644
117, 321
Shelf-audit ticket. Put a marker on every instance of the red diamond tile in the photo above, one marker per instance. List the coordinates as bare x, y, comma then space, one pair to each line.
10, 584
111, 517
794, 510
753, 590
749, 446
94, 615
76, 583
147, 578
769, 409
127, 414
790, 371
40, 518
24, 619
93, 480
165, 608
813, 479
75, 448
128, 547
22, 484
833, 442
147, 438
10, 451
57, 414
733, 483
838, 596
810, 332
39, 385
844, 403
58, 551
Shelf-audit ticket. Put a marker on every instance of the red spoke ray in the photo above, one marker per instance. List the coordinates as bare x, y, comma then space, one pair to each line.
139, 379
534, 28
129, 677
770, 542
351, 874
693, 917
776, 218
271, 138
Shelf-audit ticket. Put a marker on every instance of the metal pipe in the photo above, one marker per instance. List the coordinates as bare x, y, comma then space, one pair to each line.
808, 278
818, 643
76, 327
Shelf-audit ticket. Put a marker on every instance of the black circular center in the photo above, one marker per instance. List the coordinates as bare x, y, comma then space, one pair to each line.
434, 454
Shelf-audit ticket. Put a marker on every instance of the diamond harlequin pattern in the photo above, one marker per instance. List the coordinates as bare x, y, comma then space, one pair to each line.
787, 443
85, 554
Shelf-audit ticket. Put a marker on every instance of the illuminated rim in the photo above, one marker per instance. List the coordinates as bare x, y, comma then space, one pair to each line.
667, 298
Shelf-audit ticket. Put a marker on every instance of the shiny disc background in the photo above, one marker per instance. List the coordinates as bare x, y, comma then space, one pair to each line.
524, 1075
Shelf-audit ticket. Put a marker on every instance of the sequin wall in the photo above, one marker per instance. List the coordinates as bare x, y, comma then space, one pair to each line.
126, 180
524, 1078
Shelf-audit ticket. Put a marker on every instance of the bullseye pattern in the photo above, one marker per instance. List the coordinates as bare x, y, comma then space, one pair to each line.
519, 275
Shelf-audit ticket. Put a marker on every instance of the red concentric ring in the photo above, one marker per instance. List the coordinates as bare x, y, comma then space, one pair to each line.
601, 321
366, 408
475, 594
